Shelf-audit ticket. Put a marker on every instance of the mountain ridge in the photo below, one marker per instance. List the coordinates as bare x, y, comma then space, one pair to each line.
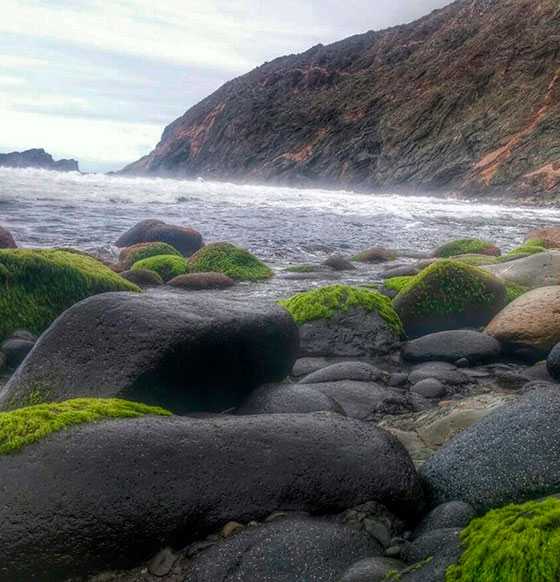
465, 100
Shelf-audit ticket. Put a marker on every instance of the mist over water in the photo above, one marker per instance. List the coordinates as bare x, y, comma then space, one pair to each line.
281, 225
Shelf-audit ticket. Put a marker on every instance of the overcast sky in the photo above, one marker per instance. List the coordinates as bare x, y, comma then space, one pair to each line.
98, 80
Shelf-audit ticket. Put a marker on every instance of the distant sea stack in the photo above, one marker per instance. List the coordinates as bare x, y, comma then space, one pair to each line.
466, 99
37, 158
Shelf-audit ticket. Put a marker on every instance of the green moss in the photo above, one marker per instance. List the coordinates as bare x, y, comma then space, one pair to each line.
36, 286
466, 246
476, 260
517, 543
513, 291
234, 262
397, 283
322, 303
136, 253
450, 287
299, 269
530, 247
166, 266
24, 426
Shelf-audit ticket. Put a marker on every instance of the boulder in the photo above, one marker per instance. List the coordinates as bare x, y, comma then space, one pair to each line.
467, 246
450, 346
284, 398
338, 263
429, 388
200, 281
68, 515
375, 255
366, 400
344, 371
166, 266
510, 456
143, 277
130, 255
343, 321
299, 549
453, 514
529, 326
402, 271
185, 240
449, 295
372, 570
6, 239
183, 352
537, 270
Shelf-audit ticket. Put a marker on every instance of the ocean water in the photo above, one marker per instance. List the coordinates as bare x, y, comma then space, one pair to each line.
283, 226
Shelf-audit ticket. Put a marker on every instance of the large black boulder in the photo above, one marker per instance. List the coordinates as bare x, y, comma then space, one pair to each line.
511, 456
288, 550
182, 352
109, 494
450, 346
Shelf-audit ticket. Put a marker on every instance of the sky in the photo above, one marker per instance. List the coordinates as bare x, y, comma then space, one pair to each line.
98, 80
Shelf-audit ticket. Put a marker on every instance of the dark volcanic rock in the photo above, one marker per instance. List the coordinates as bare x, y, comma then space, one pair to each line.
450, 346
185, 353
6, 239
453, 514
287, 550
185, 240
283, 398
425, 105
69, 514
372, 570
511, 456
37, 158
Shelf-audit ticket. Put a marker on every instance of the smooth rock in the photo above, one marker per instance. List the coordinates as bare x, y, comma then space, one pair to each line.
16, 350
442, 371
182, 352
402, 271
359, 371
397, 379
429, 388
453, 514
305, 366
538, 270
339, 263
201, 281
450, 346
372, 570
143, 277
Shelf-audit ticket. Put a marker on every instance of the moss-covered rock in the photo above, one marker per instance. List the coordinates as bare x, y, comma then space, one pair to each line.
530, 247
322, 303
449, 295
397, 283
467, 246
375, 255
166, 266
143, 277
299, 269
230, 260
517, 543
513, 291
24, 426
36, 286
476, 260
135, 253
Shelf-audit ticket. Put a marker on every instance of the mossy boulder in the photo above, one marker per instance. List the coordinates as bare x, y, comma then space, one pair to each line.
230, 260
529, 247
449, 295
517, 543
393, 286
513, 291
375, 255
135, 253
476, 260
299, 269
467, 246
6, 239
36, 286
166, 266
338, 320
143, 277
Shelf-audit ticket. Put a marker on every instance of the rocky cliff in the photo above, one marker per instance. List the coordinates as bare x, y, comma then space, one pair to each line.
465, 99
37, 158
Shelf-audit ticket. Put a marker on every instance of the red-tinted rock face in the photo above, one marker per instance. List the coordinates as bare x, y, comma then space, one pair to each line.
464, 99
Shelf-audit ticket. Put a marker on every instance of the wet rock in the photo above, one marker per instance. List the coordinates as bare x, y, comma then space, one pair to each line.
372, 570
539, 270
6, 239
529, 327
198, 281
450, 346
442, 371
429, 388
143, 277
288, 398
202, 474
453, 514
185, 353
509, 457
305, 366
287, 550
359, 371
339, 263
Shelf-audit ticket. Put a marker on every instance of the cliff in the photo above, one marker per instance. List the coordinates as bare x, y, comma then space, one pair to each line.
465, 99
37, 158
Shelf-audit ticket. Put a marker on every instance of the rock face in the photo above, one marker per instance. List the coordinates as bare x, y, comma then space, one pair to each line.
183, 353
511, 456
184, 478
37, 158
426, 105
530, 325
539, 270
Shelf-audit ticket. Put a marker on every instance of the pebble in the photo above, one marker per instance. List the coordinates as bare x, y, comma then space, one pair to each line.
162, 562
393, 552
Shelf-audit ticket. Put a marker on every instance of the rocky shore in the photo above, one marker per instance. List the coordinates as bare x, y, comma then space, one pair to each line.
158, 425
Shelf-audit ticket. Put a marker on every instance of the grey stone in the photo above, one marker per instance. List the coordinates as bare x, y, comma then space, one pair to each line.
304, 366
442, 371
372, 570
339, 263
359, 371
393, 552
429, 388
379, 531
402, 271
397, 379
162, 562
538, 270
453, 514
16, 350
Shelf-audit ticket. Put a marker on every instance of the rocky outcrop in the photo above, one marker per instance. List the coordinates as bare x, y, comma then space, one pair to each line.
463, 99
37, 158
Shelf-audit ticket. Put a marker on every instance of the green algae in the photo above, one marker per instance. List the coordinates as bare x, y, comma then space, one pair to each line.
136, 253
299, 269
397, 283
166, 266
230, 260
322, 303
21, 427
466, 246
37, 285
513, 291
517, 543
